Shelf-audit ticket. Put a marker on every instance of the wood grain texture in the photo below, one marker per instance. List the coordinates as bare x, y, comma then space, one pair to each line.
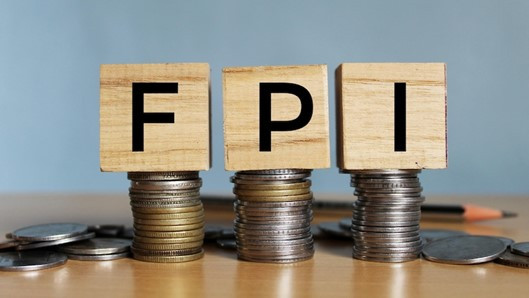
307, 147
180, 146
365, 115
331, 273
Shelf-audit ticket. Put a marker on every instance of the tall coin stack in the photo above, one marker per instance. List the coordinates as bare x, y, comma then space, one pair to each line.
273, 214
386, 215
168, 216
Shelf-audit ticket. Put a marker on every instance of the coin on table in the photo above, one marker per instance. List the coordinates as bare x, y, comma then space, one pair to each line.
96, 246
30, 260
41, 244
513, 260
430, 235
170, 259
520, 248
49, 232
107, 257
464, 249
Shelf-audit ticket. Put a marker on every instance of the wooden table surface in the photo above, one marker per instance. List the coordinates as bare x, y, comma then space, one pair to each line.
331, 273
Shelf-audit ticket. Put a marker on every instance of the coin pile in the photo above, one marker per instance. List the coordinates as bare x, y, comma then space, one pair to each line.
386, 216
168, 216
273, 214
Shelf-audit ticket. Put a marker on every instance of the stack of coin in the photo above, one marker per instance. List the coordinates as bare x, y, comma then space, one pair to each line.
386, 216
273, 215
47, 235
168, 216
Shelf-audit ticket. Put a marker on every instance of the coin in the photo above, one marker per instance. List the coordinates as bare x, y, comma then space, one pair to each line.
49, 232
174, 228
107, 257
285, 186
30, 260
168, 215
96, 246
167, 210
280, 198
169, 240
170, 252
33, 245
156, 246
166, 185
170, 259
175, 234
520, 248
170, 222
184, 175
513, 260
464, 249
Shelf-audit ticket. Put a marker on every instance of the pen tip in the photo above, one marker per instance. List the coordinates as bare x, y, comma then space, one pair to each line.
509, 214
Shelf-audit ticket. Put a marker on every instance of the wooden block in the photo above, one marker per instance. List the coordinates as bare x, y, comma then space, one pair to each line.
168, 104
391, 116
271, 104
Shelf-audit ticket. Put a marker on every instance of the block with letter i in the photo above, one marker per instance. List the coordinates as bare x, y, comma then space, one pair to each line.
391, 124
155, 125
276, 131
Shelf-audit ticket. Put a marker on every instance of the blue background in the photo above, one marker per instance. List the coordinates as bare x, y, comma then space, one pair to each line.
50, 52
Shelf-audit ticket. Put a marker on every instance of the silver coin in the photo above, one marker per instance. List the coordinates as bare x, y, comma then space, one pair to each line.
385, 229
267, 233
34, 245
362, 243
159, 204
385, 259
267, 242
283, 226
227, 243
302, 203
96, 246
430, 235
273, 177
386, 241
30, 260
107, 257
520, 248
513, 260
464, 249
276, 171
49, 232
150, 176
389, 224
272, 260
272, 238
166, 185
238, 181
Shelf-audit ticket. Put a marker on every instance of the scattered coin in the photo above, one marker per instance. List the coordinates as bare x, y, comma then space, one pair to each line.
30, 260
513, 260
520, 248
464, 249
34, 245
106, 257
96, 246
49, 232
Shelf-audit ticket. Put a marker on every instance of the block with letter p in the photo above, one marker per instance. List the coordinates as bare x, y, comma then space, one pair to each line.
154, 117
276, 117
391, 116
